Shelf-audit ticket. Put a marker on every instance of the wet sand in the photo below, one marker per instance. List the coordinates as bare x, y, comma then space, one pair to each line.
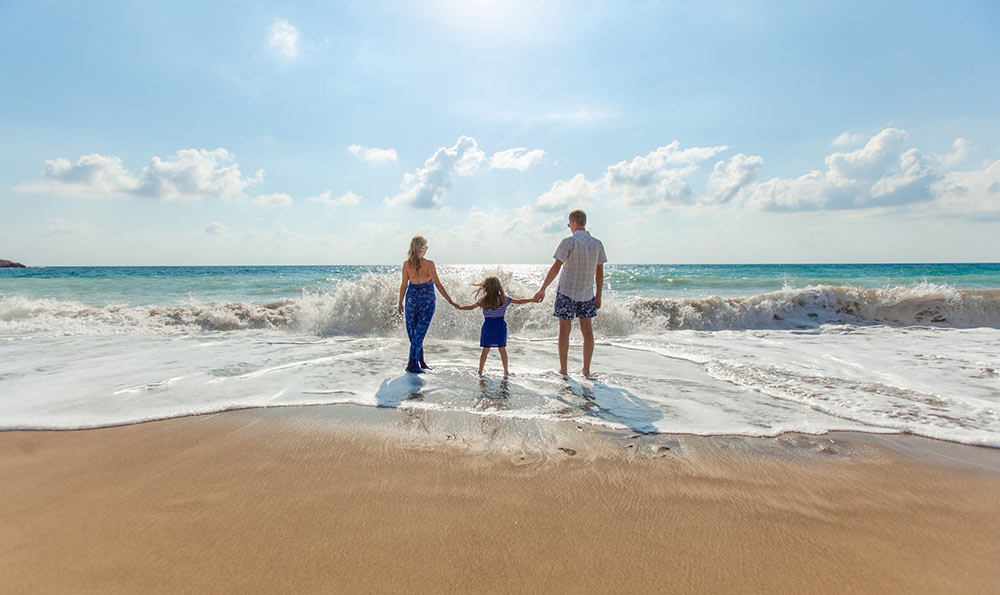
265, 501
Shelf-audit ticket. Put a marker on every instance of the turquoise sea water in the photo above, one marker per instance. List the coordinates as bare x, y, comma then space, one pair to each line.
702, 349
259, 284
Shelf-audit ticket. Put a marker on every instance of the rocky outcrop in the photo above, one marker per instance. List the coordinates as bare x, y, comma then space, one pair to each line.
7, 264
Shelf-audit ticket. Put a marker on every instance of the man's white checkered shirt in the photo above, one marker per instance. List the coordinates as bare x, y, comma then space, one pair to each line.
580, 254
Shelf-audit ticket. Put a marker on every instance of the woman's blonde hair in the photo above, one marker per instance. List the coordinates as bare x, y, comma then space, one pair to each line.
417, 244
490, 294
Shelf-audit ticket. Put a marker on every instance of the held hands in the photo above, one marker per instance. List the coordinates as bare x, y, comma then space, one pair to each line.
539, 296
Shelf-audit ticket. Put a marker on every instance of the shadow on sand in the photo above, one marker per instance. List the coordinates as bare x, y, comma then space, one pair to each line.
395, 391
610, 403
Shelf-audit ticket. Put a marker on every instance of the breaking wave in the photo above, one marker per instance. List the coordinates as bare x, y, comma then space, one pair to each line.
367, 307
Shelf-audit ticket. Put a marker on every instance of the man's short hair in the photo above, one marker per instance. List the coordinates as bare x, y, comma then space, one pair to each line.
578, 217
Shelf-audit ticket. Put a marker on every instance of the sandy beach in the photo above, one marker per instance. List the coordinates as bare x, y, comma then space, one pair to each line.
280, 501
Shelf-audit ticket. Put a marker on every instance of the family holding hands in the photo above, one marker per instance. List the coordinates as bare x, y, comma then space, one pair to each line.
579, 264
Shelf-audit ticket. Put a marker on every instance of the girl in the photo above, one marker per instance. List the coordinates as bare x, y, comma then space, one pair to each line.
491, 298
419, 279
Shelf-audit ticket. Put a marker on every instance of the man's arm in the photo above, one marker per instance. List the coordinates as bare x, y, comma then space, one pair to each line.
549, 278
599, 280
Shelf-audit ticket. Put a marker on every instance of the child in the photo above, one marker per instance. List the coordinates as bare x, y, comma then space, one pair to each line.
491, 298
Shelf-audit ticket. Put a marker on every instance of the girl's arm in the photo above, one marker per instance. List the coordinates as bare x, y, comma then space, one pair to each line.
469, 307
437, 282
527, 301
402, 289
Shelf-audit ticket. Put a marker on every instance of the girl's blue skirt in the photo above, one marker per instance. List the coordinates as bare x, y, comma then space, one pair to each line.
494, 333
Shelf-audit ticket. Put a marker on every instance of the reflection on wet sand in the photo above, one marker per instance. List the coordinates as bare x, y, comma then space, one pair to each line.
496, 396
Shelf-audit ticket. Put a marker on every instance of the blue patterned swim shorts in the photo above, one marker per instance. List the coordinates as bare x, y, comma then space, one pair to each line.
568, 309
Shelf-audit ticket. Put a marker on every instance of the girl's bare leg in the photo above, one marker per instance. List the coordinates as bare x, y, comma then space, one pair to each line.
503, 358
482, 359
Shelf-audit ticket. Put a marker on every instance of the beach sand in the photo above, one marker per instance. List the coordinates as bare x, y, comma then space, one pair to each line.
290, 501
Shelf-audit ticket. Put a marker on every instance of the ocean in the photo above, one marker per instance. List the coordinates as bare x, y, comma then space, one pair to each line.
754, 350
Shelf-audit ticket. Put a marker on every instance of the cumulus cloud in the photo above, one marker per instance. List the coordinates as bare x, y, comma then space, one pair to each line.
870, 162
91, 176
273, 200
660, 177
849, 139
728, 178
519, 158
567, 194
555, 225
348, 199
880, 174
374, 155
283, 39
962, 148
216, 229
970, 191
188, 175
192, 174
426, 188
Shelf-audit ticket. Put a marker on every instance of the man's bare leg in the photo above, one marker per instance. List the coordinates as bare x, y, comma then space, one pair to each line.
565, 326
587, 330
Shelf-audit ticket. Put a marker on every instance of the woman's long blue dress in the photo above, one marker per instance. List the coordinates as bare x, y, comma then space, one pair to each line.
420, 300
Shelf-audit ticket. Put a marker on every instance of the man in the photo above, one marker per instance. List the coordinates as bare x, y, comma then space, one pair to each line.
581, 259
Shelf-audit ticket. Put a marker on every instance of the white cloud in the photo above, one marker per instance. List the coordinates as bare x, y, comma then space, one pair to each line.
911, 183
877, 175
849, 139
193, 174
729, 178
962, 149
519, 158
811, 191
216, 229
427, 187
567, 194
283, 39
555, 225
660, 177
190, 174
870, 162
970, 191
348, 199
273, 200
374, 155
93, 175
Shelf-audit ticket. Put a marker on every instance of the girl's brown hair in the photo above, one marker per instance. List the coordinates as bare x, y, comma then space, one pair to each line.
490, 294
417, 244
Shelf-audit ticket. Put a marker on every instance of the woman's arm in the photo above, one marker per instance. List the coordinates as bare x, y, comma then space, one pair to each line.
402, 288
437, 282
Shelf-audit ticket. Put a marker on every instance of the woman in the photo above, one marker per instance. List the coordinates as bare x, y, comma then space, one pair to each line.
419, 279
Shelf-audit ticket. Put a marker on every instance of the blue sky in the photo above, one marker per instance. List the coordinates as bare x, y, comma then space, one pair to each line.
330, 133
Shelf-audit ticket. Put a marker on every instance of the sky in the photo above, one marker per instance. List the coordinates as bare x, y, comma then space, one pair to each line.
190, 133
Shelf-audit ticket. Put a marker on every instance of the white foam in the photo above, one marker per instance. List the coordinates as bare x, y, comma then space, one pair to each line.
921, 360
